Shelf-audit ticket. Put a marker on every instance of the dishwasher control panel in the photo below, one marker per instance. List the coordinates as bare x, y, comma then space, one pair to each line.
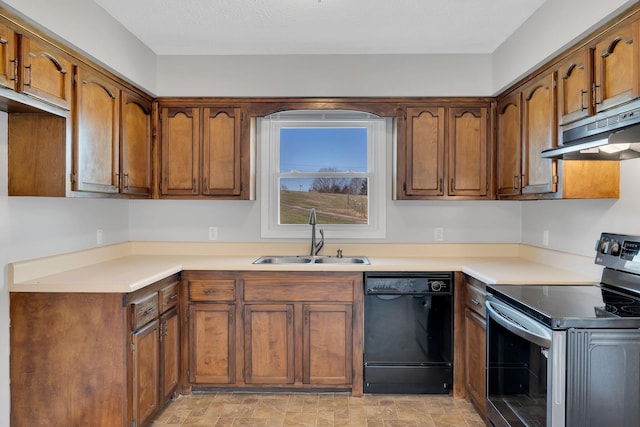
408, 283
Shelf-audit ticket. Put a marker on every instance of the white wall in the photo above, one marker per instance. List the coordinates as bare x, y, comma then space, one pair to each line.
88, 27
555, 26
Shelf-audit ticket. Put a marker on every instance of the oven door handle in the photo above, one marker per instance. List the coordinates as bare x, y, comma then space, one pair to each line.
519, 324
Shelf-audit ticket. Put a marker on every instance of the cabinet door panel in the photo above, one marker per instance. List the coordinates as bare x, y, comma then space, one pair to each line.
212, 341
475, 350
616, 70
135, 141
46, 73
425, 151
468, 151
509, 146
8, 52
180, 152
327, 341
170, 353
539, 133
146, 372
96, 133
221, 151
269, 344
575, 75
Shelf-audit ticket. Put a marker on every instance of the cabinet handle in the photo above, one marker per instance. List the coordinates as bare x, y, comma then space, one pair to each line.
582, 94
193, 185
453, 184
15, 70
475, 301
126, 180
440, 185
173, 297
28, 67
209, 291
515, 182
149, 310
118, 180
3, 40
595, 89
204, 183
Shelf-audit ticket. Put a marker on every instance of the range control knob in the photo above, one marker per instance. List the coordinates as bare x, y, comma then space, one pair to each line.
438, 286
615, 248
604, 246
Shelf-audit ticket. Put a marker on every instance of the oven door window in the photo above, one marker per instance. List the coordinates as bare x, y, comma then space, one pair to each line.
516, 378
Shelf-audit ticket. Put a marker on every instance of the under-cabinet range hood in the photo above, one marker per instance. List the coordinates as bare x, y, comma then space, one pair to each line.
615, 136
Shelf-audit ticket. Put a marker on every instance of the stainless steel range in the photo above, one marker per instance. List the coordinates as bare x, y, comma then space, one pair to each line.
568, 355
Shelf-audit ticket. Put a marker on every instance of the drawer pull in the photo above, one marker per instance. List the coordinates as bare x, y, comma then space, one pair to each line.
209, 291
173, 297
475, 301
149, 310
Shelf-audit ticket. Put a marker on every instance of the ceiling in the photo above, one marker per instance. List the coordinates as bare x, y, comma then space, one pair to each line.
286, 27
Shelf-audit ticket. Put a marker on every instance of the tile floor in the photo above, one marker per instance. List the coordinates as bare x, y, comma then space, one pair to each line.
317, 409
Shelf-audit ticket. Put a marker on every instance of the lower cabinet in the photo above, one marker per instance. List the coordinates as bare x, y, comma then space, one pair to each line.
475, 343
297, 330
93, 359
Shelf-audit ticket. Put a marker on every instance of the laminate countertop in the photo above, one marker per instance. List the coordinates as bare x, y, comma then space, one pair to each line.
127, 267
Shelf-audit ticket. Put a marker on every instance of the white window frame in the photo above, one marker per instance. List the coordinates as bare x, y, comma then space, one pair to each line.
269, 154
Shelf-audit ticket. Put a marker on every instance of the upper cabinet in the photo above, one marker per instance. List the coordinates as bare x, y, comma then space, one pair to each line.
96, 133
8, 57
200, 152
135, 145
444, 153
575, 86
45, 72
509, 146
617, 63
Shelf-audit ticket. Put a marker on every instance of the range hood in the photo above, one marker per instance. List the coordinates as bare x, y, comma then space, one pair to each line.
612, 137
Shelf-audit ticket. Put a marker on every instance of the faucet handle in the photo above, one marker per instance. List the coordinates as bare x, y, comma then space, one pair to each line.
339, 255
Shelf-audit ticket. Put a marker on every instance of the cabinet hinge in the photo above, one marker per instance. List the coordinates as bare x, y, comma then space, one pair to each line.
73, 178
555, 179
161, 331
242, 116
133, 423
241, 186
188, 373
133, 347
404, 187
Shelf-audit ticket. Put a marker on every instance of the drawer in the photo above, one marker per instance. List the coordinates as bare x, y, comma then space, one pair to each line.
281, 290
144, 310
169, 296
212, 290
476, 297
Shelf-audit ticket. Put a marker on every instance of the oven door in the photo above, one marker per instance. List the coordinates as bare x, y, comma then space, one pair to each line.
526, 365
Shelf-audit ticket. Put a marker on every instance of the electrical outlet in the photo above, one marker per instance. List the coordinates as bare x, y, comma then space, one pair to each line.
99, 236
438, 234
545, 238
213, 233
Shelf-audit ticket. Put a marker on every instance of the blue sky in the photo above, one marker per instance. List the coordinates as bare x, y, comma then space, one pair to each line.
310, 149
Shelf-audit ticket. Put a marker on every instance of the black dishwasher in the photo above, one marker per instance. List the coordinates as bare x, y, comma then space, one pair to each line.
408, 332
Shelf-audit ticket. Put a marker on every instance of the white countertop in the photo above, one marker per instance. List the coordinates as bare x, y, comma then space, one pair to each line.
127, 267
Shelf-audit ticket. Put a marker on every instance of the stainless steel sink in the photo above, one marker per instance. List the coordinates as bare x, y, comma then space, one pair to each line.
301, 259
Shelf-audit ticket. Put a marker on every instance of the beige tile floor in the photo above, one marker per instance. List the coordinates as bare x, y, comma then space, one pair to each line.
317, 409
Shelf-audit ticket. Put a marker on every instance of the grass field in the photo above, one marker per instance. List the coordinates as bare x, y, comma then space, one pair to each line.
331, 208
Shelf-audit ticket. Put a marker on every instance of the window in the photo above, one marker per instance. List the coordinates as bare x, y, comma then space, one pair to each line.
332, 161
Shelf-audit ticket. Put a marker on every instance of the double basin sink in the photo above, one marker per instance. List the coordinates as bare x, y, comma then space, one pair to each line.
302, 259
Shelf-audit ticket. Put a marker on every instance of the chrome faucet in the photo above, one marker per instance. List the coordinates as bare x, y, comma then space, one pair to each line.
315, 247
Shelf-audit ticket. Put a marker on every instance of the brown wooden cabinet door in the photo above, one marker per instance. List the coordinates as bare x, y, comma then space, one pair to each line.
327, 344
475, 357
135, 143
468, 151
145, 372
46, 73
616, 67
180, 151
221, 151
539, 133
509, 146
424, 153
169, 353
8, 55
212, 340
269, 344
575, 77
96, 133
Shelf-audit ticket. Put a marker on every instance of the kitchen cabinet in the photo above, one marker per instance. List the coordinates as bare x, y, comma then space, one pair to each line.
200, 152
170, 342
617, 66
96, 133
212, 328
88, 358
575, 80
134, 176
45, 72
296, 330
8, 57
475, 343
444, 152
525, 127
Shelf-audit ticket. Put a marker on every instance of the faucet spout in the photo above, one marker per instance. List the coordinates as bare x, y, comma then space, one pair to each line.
315, 247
